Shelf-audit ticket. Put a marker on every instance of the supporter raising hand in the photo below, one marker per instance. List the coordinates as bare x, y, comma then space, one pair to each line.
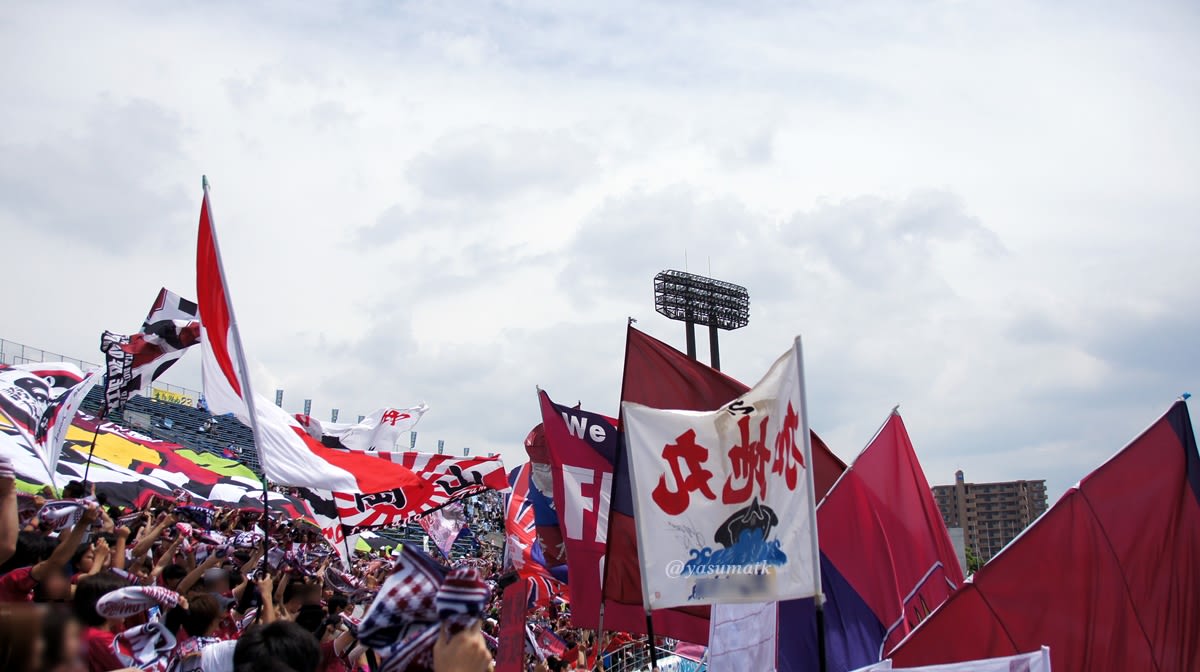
9, 524
464, 652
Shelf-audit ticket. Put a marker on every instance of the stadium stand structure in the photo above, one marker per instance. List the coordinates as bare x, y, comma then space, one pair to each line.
199, 430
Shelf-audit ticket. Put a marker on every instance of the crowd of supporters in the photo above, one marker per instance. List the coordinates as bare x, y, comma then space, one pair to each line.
172, 587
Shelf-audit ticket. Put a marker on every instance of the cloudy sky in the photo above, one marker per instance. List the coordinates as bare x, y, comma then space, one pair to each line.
985, 212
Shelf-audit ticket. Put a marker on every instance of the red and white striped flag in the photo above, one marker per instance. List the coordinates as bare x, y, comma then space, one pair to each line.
288, 455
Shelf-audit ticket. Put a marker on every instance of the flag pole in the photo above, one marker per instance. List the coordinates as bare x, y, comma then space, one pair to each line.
650, 640
245, 370
818, 597
100, 418
612, 491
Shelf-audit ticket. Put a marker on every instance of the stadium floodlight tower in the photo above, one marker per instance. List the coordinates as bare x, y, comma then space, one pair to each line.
695, 299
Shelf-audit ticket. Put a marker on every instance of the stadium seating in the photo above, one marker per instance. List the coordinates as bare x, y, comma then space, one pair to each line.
182, 424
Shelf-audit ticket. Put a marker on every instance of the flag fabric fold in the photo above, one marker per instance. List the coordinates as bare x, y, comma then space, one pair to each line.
134, 362
40, 400
379, 430
887, 559
287, 453
726, 496
541, 493
1106, 578
523, 552
444, 525
743, 637
447, 479
1036, 661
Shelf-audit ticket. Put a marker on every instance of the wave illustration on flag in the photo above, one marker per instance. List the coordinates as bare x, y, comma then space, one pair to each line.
288, 455
380, 430
134, 362
39, 401
727, 496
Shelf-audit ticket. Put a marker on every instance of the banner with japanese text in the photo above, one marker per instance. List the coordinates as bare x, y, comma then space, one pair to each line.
452, 478
724, 498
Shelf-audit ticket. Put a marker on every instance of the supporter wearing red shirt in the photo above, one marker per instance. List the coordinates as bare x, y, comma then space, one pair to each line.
18, 585
99, 631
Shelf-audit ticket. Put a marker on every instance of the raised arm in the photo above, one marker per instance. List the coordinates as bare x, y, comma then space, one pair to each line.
268, 605
9, 523
144, 544
190, 580
67, 545
118, 554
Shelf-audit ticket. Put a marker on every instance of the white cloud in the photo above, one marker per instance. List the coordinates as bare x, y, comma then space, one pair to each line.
984, 212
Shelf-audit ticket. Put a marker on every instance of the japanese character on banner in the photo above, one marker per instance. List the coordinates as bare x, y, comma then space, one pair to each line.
726, 496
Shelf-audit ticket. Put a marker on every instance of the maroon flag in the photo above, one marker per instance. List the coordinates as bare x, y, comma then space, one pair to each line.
1106, 578
510, 654
887, 559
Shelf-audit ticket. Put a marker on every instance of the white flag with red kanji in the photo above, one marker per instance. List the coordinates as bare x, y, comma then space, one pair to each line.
724, 499
379, 430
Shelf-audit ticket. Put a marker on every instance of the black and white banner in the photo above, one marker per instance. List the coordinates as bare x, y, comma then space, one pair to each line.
134, 362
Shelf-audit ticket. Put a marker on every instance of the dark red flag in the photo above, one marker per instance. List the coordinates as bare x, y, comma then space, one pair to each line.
1107, 578
510, 653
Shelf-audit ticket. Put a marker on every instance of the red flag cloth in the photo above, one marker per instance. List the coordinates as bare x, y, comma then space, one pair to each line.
582, 448
1106, 578
887, 559
286, 452
510, 653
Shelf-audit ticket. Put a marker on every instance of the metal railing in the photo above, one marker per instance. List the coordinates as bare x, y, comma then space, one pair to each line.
12, 352
635, 657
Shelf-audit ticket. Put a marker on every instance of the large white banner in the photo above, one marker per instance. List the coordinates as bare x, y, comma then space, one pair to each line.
743, 637
723, 499
40, 400
1037, 661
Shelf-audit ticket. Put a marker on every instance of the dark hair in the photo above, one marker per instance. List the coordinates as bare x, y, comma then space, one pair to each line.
73, 490
89, 591
32, 548
79, 553
20, 625
311, 617
297, 589
337, 603
202, 611
55, 620
174, 572
281, 646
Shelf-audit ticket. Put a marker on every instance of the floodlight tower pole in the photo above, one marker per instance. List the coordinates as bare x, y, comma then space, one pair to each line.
714, 352
691, 339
